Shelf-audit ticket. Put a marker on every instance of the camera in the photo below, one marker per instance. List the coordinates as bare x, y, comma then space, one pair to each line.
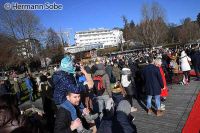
77, 67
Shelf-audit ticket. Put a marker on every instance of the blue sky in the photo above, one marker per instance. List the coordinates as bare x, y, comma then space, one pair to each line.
86, 14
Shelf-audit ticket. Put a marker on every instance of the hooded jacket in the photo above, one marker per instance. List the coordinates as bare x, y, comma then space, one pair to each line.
185, 66
106, 81
63, 82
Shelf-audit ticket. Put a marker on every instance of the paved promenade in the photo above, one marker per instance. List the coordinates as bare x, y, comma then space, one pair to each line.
178, 106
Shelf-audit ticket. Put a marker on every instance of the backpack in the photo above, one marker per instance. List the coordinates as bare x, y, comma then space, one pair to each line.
98, 85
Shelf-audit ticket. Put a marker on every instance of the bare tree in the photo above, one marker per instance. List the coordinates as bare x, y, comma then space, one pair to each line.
172, 33
21, 25
53, 48
188, 31
153, 28
8, 22
8, 55
52, 39
198, 19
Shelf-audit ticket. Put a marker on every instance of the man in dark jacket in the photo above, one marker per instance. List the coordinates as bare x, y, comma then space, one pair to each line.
153, 84
68, 116
196, 63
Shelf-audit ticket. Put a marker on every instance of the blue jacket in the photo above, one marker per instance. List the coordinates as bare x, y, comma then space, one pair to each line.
68, 106
29, 84
152, 80
63, 82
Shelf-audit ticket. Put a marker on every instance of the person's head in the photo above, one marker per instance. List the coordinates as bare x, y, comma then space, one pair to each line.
73, 98
15, 79
158, 62
100, 66
183, 53
67, 64
48, 74
124, 106
115, 64
150, 60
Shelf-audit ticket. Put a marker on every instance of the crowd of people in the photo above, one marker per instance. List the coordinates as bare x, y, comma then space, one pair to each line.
98, 95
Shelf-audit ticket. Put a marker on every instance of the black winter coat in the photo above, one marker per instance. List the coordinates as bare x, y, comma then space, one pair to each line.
152, 80
196, 59
63, 121
122, 124
3, 89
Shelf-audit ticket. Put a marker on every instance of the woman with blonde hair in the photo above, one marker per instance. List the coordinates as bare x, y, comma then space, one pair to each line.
164, 91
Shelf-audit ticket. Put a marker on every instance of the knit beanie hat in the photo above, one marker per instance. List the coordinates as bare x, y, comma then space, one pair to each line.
67, 65
100, 66
124, 106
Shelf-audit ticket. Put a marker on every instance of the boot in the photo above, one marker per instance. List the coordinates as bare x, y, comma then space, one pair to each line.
90, 117
159, 113
149, 111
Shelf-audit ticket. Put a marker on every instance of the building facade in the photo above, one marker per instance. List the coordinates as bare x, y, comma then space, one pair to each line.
77, 49
109, 38
27, 48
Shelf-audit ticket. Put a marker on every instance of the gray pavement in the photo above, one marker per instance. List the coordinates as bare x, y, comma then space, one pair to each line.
178, 106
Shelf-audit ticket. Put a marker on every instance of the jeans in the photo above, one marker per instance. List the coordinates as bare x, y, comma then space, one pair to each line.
157, 100
101, 101
30, 91
99, 106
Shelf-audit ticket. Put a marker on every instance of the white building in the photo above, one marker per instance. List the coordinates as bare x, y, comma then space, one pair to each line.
108, 38
27, 48
77, 49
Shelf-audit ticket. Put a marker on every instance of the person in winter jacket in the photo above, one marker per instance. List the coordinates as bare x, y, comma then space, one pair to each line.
108, 69
64, 80
196, 63
153, 84
68, 117
17, 89
127, 82
116, 72
104, 96
185, 67
29, 86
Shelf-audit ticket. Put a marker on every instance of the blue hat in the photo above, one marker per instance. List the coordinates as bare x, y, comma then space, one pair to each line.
76, 90
67, 65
